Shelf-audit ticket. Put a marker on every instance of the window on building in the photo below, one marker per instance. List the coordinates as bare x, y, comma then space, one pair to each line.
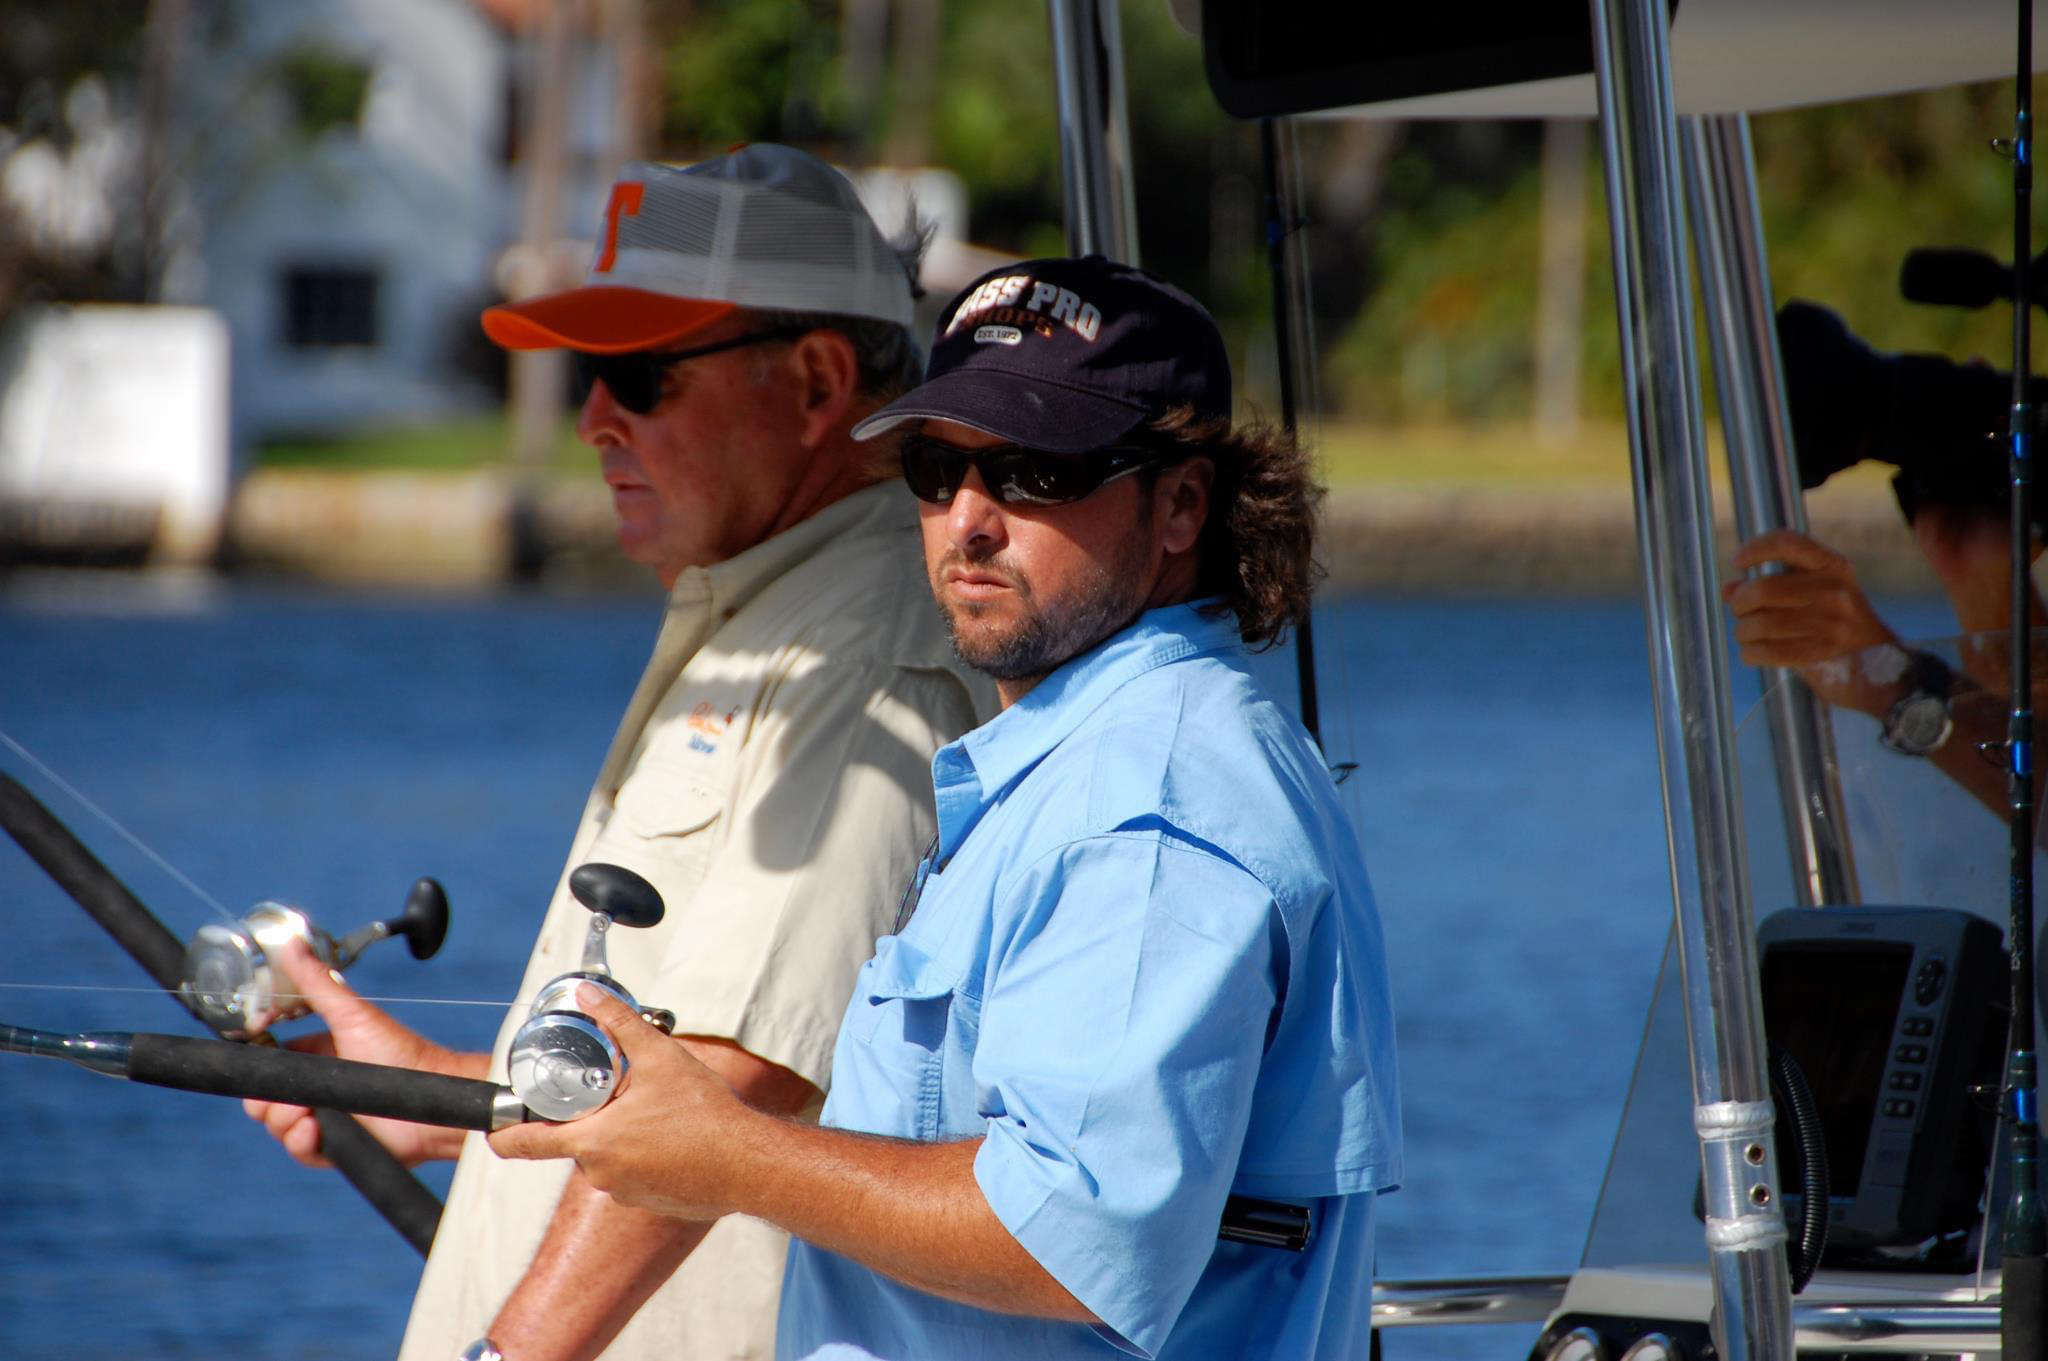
328, 305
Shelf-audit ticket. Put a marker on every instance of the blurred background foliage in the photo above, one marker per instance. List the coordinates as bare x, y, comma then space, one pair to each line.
1425, 235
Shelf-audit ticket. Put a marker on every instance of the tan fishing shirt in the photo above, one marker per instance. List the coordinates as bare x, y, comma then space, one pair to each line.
772, 778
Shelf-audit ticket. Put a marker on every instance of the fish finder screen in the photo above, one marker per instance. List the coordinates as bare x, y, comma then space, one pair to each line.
1833, 1008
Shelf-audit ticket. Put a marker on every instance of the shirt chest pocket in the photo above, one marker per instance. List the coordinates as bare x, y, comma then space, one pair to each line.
665, 826
910, 1022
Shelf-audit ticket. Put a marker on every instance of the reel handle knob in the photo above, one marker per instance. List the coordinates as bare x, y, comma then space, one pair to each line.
424, 922
616, 892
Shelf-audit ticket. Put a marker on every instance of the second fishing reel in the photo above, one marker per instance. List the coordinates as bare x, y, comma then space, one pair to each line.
230, 982
562, 1064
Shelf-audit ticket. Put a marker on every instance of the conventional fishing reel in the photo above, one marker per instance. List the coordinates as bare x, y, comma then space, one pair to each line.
229, 979
562, 1064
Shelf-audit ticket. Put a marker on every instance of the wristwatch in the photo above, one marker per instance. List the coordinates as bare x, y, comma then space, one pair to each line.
1919, 722
483, 1349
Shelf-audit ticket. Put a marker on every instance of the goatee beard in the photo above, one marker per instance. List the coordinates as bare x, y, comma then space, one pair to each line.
1045, 639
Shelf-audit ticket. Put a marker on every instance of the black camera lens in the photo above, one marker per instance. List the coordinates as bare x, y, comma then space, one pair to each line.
1940, 423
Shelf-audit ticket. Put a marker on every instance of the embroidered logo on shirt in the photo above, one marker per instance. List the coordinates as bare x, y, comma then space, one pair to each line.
707, 725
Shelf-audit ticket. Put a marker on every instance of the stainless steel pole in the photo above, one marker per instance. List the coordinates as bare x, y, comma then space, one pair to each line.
1728, 230
1095, 143
1745, 1226
1294, 351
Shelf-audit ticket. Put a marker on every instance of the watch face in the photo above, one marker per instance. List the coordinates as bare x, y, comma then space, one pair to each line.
1919, 724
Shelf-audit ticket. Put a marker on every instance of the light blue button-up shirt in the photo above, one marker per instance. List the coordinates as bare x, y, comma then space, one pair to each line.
1147, 972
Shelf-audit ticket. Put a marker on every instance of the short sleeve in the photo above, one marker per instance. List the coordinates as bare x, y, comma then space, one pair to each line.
828, 815
1120, 1043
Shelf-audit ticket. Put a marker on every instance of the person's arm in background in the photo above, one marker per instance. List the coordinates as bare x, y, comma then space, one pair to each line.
1971, 553
563, 1309
1813, 617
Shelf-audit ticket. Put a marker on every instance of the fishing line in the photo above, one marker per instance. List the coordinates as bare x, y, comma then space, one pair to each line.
6, 986
177, 875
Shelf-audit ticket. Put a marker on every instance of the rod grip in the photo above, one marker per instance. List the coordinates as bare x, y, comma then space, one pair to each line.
225, 1069
2023, 1309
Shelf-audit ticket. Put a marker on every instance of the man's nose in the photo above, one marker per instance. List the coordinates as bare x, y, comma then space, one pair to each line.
974, 518
599, 413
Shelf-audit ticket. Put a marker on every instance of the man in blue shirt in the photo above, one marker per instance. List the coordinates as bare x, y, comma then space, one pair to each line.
1140, 978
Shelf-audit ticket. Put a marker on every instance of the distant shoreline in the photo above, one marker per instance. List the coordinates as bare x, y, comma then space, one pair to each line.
476, 530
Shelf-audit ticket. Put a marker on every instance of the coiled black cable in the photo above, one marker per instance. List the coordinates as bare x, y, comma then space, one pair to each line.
1795, 1101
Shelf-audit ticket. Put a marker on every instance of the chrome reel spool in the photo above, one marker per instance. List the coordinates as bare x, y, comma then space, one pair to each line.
228, 977
562, 1064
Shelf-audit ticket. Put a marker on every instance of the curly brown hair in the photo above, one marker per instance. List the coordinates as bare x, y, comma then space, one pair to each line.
1257, 550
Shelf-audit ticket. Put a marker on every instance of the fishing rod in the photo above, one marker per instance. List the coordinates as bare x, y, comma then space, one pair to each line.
404, 1202
1282, 222
225, 1068
562, 1064
2023, 1292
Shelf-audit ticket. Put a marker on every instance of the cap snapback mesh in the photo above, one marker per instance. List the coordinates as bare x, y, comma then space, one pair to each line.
790, 243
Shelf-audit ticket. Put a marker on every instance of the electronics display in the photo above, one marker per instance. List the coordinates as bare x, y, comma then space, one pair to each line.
1893, 1013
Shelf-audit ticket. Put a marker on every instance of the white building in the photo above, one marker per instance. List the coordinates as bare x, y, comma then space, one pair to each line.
349, 241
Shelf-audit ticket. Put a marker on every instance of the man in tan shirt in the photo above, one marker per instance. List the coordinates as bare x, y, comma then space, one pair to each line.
771, 774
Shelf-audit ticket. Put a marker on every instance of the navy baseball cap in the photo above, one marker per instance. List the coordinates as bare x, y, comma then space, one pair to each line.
1066, 355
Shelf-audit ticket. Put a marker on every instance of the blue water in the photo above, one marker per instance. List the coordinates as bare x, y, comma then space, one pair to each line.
328, 749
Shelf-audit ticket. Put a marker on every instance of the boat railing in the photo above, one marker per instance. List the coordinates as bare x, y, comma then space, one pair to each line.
1867, 1327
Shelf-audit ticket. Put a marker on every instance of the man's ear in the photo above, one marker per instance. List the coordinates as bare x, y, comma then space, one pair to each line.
828, 381
1183, 503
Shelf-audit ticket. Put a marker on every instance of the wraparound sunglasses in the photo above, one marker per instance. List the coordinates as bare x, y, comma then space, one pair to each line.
634, 379
1014, 474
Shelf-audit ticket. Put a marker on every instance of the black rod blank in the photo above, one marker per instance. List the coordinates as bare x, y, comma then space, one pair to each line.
2023, 1291
1280, 223
2025, 1269
93, 886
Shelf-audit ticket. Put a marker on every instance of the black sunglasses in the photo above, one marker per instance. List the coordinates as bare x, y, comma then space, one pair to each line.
1013, 473
634, 379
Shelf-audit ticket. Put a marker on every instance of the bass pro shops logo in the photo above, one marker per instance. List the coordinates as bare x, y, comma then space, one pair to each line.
1004, 308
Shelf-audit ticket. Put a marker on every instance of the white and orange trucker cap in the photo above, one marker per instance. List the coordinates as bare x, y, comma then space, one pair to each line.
763, 226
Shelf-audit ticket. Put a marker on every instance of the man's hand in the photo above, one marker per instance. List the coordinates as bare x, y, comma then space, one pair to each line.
676, 1140
663, 1142
1813, 617
362, 1032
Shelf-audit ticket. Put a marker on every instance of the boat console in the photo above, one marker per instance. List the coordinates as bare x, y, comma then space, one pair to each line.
1897, 1017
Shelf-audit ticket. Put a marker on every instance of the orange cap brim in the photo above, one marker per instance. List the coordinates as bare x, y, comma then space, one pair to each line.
599, 319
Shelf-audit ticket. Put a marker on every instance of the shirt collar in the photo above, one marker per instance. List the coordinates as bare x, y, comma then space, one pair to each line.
729, 585
968, 773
